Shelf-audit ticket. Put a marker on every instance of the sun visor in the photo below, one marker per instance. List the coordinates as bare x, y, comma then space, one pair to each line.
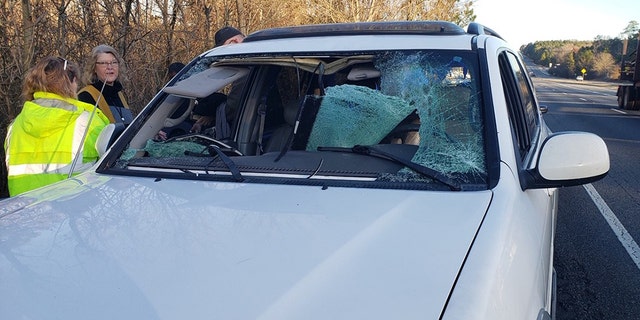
205, 83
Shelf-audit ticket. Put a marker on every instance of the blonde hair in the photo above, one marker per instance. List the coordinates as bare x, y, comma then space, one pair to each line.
51, 74
89, 75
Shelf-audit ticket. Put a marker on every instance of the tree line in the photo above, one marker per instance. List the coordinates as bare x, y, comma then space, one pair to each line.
151, 34
600, 58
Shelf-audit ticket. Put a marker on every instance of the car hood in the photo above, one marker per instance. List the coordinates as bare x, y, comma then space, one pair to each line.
100, 247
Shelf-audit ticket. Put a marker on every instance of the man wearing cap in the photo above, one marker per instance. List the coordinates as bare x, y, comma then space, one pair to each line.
228, 35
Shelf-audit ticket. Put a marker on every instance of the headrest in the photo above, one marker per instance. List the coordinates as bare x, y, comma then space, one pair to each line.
290, 112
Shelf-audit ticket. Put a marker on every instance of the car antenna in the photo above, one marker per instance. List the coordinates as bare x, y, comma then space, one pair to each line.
86, 132
287, 146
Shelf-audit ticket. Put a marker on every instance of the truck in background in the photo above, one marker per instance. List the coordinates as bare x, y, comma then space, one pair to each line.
629, 94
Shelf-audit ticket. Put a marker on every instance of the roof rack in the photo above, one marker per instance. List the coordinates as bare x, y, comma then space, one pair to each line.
359, 28
476, 28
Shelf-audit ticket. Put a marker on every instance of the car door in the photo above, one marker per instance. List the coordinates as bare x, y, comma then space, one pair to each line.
529, 131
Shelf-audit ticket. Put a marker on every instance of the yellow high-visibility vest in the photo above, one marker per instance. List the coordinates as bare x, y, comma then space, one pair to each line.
42, 141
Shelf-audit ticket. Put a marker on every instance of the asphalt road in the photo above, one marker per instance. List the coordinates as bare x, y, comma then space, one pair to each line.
597, 258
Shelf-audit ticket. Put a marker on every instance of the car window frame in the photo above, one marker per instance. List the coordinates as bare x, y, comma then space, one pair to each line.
521, 105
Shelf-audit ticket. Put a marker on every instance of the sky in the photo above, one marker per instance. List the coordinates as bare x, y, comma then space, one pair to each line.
523, 21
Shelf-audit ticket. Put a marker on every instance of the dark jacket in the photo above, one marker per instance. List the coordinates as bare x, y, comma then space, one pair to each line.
112, 96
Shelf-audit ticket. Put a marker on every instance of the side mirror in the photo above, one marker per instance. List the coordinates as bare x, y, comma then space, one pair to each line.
569, 159
543, 109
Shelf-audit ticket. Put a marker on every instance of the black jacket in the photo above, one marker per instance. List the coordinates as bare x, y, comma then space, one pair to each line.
109, 94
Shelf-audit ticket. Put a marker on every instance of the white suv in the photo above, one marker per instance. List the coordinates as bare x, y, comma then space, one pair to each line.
387, 170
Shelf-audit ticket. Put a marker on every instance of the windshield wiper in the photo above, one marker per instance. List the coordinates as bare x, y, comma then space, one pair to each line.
375, 152
227, 161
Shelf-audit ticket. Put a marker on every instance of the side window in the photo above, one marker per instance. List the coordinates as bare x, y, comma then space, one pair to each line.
521, 103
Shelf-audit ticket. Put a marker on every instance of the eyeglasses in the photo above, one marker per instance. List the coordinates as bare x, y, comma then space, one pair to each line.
65, 63
108, 63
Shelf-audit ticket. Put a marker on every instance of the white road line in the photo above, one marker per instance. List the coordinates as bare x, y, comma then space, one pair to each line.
619, 111
623, 235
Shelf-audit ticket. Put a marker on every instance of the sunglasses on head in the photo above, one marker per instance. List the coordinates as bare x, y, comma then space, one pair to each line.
65, 63
70, 72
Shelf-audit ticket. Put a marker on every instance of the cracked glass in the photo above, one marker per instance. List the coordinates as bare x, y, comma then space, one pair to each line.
422, 107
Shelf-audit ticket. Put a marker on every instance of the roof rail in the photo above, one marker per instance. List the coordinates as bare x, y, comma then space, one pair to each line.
476, 28
359, 28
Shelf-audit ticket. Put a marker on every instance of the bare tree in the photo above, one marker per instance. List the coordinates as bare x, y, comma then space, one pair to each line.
331, 11
28, 28
61, 9
605, 65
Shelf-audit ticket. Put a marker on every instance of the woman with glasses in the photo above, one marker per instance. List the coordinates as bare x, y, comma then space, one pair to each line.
103, 72
55, 135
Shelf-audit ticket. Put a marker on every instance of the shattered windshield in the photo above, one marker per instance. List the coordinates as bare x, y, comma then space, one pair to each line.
307, 117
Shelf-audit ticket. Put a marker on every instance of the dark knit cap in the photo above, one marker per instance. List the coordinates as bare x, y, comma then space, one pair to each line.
225, 34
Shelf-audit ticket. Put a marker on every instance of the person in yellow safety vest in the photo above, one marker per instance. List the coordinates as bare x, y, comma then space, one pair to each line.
55, 133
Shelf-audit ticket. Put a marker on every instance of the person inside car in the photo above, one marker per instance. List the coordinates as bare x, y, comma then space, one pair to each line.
206, 112
224, 36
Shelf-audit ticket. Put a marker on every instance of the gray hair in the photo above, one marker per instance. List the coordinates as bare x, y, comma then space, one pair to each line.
89, 75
